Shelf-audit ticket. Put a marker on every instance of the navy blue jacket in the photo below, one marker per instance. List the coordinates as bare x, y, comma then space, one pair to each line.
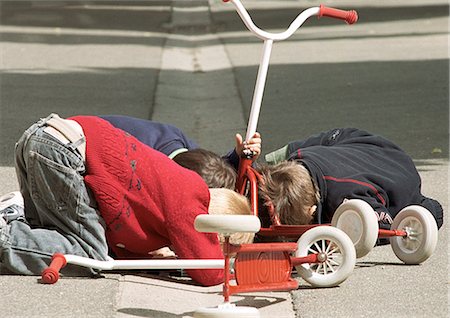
349, 163
162, 137
165, 138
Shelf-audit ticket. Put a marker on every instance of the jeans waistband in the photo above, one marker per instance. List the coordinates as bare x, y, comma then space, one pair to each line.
67, 132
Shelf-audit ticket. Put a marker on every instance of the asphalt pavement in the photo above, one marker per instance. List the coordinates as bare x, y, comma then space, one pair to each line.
193, 64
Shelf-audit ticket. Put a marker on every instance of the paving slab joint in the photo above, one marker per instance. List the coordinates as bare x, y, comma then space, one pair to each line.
190, 17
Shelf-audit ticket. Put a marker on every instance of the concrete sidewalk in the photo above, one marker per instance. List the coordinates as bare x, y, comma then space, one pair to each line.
199, 79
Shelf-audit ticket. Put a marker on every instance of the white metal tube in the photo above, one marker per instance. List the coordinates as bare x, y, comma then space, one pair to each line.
146, 264
259, 89
299, 20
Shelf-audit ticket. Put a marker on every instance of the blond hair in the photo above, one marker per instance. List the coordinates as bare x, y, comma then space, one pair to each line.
226, 201
289, 187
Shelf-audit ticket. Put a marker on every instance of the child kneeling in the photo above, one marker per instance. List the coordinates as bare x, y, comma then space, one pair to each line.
91, 189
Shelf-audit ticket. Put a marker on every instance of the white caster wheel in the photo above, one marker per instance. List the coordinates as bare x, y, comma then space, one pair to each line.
358, 220
422, 235
227, 310
227, 224
338, 252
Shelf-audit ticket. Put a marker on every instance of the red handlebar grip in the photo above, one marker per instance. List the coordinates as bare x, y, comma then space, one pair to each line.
349, 16
50, 275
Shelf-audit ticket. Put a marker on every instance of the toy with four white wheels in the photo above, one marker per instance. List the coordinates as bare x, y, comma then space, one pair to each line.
413, 234
324, 257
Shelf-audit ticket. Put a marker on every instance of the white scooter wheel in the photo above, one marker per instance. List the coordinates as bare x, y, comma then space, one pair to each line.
227, 310
422, 237
227, 224
358, 220
339, 253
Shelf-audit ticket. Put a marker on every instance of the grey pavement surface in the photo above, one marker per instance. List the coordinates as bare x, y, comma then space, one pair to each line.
193, 64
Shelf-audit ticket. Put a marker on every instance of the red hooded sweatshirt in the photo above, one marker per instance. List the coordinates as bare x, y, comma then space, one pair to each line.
146, 199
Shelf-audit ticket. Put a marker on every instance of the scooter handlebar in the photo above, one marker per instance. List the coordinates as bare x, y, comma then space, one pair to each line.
50, 275
350, 16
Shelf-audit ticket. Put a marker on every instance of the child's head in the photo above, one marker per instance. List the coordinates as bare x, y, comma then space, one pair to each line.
216, 172
289, 187
226, 201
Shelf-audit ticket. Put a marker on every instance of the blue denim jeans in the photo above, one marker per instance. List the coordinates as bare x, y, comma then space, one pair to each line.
60, 211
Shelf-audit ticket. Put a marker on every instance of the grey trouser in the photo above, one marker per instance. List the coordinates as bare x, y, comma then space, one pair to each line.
60, 210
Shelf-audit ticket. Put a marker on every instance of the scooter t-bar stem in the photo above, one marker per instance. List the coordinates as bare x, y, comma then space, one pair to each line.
259, 89
348, 16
